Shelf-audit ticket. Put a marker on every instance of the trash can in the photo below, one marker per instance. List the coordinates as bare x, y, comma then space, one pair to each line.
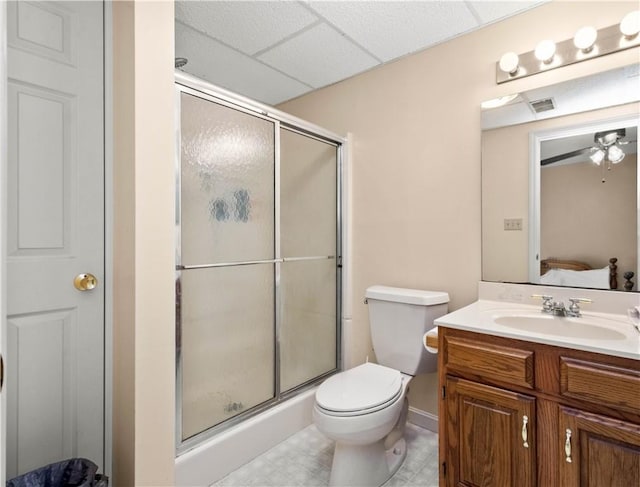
75, 472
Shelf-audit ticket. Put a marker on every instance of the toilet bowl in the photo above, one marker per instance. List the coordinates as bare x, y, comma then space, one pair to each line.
364, 409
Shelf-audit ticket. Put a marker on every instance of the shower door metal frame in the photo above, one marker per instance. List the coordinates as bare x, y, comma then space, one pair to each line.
185, 83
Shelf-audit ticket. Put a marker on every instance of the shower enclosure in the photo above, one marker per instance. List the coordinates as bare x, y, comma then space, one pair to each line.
258, 258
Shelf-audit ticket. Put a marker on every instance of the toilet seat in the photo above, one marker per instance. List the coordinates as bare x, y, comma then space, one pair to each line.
362, 390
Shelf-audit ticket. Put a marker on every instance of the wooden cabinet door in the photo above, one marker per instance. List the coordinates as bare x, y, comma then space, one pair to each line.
598, 451
490, 436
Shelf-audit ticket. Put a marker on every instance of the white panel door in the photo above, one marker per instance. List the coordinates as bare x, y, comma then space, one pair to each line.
55, 332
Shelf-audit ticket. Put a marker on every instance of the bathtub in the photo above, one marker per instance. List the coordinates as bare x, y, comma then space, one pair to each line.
225, 452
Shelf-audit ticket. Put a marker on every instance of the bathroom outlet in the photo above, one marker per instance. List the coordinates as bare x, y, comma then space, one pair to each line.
513, 224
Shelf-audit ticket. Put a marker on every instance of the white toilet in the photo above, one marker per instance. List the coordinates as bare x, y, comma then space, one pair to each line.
364, 409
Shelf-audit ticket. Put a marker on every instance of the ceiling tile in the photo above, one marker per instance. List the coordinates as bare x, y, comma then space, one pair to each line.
232, 70
247, 26
319, 56
490, 11
392, 29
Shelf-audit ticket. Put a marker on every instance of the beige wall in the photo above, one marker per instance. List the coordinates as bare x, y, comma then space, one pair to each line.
416, 154
587, 220
143, 244
505, 158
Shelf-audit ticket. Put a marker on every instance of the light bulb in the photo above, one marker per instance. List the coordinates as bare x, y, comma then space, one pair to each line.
615, 154
585, 38
597, 156
630, 25
545, 50
509, 63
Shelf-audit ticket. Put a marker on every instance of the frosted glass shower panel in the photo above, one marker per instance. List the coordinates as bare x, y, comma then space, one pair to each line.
308, 195
227, 184
227, 343
308, 328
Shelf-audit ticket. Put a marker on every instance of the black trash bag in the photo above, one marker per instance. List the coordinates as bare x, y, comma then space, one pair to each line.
75, 472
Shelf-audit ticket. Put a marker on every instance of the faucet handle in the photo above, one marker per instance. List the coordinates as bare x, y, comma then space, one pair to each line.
574, 309
547, 302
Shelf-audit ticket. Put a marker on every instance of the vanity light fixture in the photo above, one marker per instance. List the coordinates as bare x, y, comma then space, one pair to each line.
509, 63
587, 43
545, 51
630, 25
585, 38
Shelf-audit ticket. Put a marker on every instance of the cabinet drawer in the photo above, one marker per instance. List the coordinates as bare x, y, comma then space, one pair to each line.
601, 384
493, 362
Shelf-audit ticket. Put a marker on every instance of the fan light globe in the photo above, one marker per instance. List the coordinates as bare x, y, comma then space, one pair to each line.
585, 38
545, 51
615, 154
630, 25
597, 156
509, 62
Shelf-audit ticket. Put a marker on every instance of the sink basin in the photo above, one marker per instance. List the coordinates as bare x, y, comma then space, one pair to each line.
583, 327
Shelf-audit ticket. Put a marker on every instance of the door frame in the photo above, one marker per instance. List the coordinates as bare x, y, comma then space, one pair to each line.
3, 229
535, 143
107, 32
108, 230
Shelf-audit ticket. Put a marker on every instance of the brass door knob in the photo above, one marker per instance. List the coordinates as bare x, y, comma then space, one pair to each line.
85, 282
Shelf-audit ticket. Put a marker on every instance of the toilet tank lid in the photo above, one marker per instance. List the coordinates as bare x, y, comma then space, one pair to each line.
409, 296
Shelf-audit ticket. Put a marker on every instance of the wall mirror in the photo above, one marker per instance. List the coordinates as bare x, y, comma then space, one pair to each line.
547, 216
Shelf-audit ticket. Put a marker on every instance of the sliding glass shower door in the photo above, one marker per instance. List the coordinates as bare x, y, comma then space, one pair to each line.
308, 195
257, 288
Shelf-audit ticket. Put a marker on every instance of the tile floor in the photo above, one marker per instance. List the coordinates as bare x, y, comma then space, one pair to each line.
304, 460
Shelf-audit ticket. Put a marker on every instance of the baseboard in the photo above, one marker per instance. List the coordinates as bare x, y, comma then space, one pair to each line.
423, 419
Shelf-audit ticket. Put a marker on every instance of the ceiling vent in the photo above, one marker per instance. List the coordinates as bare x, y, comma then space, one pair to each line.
543, 105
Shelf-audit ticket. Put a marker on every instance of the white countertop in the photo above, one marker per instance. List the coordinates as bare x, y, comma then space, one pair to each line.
480, 317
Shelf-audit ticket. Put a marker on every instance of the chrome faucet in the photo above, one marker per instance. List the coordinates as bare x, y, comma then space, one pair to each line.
557, 308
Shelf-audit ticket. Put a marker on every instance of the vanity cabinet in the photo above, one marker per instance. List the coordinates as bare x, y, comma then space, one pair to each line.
490, 435
515, 413
598, 450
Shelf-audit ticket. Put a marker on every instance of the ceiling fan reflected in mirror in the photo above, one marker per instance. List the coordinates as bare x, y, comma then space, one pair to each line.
607, 148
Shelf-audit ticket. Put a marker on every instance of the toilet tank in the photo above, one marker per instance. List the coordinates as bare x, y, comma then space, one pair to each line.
398, 319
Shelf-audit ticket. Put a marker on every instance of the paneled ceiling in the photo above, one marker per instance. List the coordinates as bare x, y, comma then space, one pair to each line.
273, 51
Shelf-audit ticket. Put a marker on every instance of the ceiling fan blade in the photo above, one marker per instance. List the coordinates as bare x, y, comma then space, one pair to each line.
566, 155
